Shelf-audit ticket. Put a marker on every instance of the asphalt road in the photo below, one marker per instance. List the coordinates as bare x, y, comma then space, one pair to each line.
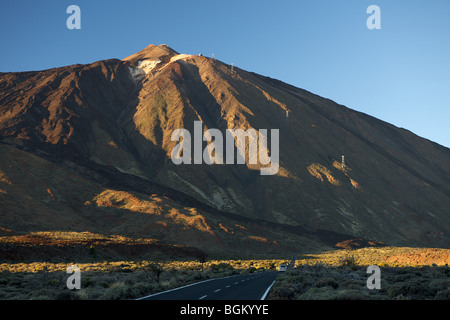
238, 287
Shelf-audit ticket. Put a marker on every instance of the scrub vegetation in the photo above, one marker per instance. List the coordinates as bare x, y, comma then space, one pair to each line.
115, 280
406, 273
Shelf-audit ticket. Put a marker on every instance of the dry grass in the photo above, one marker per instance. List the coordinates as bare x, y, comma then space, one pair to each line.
382, 256
406, 274
65, 238
115, 280
61, 246
349, 282
112, 266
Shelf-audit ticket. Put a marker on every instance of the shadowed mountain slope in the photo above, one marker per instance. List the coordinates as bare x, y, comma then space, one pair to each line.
109, 124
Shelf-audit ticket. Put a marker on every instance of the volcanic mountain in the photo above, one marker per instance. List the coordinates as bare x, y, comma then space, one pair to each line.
88, 148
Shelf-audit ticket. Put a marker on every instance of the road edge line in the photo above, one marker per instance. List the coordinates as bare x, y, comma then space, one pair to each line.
267, 291
192, 284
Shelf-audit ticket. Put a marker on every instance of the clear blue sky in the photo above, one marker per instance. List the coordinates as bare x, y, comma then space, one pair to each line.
400, 74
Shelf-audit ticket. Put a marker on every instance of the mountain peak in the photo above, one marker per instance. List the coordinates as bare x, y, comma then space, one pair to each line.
166, 47
116, 132
152, 52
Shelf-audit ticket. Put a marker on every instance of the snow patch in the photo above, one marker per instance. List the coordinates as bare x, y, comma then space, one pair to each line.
180, 56
136, 73
142, 68
147, 65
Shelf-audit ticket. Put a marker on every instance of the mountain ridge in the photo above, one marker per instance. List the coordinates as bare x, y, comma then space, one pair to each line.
112, 120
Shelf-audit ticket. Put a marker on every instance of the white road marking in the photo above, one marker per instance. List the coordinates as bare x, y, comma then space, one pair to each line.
189, 285
267, 291
203, 297
217, 290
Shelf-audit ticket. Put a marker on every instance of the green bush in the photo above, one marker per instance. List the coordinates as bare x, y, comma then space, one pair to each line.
351, 294
283, 291
439, 284
221, 267
443, 295
414, 289
322, 293
326, 282
348, 261
251, 270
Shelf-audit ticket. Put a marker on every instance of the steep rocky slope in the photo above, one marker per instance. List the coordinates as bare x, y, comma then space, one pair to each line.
110, 124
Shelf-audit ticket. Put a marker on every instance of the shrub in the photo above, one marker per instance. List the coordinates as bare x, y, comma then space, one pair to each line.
66, 295
322, 293
92, 251
157, 270
283, 291
222, 267
443, 295
116, 291
413, 288
348, 261
439, 284
251, 270
351, 294
326, 282
354, 284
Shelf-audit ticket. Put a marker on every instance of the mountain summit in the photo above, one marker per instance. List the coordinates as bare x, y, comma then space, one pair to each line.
152, 52
88, 148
